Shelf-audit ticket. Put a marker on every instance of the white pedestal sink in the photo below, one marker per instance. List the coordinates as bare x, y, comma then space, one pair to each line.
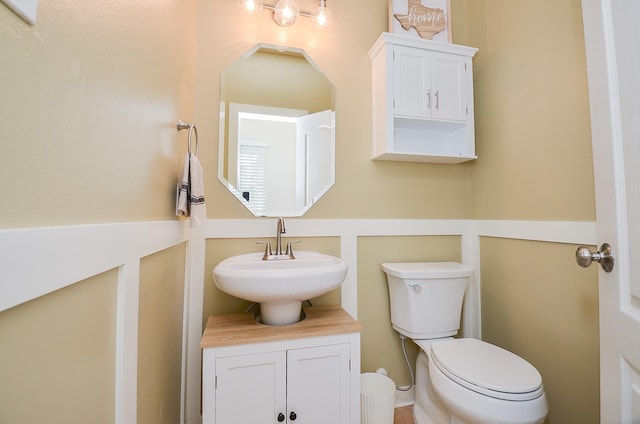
279, 284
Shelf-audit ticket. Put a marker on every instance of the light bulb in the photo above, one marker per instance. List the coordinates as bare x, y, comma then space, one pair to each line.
321, 14
286, 12
251, 5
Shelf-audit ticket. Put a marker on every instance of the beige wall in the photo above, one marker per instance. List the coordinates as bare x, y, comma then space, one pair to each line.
269, 78
533, 137
541, 308
90, 98
534, 163
160, 336
58, 349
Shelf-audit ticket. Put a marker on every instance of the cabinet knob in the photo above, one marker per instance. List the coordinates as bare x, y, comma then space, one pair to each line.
280, 417
292, 416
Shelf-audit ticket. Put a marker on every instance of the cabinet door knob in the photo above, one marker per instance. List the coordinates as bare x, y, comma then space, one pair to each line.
292, 416
280, 417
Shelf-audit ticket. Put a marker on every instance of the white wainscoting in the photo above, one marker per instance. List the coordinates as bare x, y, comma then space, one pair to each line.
66, 255
38, 261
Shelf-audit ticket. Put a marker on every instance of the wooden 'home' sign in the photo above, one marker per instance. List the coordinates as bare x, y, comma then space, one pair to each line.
428, 19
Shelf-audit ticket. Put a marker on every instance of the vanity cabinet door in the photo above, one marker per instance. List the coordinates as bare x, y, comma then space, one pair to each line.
318, 385
251, 388
310, 386
429, 84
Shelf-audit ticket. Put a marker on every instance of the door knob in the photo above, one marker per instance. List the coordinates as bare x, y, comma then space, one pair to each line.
604, 257
293, 416
280, 417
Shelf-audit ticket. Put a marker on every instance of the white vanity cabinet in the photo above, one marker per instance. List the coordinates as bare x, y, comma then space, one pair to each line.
302, 373
422, 100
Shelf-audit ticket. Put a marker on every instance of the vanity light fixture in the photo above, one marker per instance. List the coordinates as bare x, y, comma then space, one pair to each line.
286, 12
321, 14
251, 5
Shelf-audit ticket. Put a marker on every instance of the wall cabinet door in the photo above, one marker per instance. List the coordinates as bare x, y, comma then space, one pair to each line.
429, 84
411, 82
449, 82
309, 386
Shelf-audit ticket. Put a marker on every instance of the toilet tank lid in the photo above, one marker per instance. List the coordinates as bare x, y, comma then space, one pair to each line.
427, 269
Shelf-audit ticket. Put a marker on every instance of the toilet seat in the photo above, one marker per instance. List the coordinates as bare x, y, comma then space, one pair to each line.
487, 369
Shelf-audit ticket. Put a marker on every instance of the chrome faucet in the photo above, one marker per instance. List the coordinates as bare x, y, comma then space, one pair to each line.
279, 231
278, 253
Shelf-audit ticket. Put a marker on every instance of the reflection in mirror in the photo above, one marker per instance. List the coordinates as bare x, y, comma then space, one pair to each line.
276, 149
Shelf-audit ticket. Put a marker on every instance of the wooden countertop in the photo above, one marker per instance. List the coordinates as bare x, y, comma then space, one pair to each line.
241, 328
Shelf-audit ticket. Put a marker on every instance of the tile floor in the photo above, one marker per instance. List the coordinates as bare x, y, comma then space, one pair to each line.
403, 415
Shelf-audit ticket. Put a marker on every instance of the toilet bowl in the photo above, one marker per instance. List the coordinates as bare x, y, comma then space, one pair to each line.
458, 381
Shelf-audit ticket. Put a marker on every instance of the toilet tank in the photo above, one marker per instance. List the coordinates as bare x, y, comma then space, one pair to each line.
426, 297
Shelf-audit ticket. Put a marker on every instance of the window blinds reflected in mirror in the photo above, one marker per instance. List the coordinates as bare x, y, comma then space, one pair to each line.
252, 174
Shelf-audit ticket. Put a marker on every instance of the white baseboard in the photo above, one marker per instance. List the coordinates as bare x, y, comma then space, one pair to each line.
405, 397
194, 420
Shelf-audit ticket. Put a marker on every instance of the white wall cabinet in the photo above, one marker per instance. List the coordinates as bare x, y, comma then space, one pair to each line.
297, 379
422, 100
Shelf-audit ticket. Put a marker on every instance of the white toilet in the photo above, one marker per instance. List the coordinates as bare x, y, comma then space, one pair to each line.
458, 381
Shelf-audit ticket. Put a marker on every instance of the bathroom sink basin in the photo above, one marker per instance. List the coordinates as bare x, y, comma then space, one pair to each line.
279, 284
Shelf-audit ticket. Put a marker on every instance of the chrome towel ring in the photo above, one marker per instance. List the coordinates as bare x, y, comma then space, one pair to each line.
182, 125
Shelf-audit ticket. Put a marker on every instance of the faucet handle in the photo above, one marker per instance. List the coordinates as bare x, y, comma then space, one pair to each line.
267, 249
290, 249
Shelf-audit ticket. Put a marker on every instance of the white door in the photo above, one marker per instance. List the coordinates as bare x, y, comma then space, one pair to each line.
612, 38
315, 160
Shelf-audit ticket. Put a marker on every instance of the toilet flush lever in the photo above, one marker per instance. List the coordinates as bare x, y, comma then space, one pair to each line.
416, 287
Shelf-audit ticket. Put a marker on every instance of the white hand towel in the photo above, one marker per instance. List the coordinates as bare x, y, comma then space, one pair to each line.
183, 194
198, 208
191, 196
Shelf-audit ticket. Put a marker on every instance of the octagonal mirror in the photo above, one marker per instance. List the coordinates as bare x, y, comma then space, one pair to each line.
276, 150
